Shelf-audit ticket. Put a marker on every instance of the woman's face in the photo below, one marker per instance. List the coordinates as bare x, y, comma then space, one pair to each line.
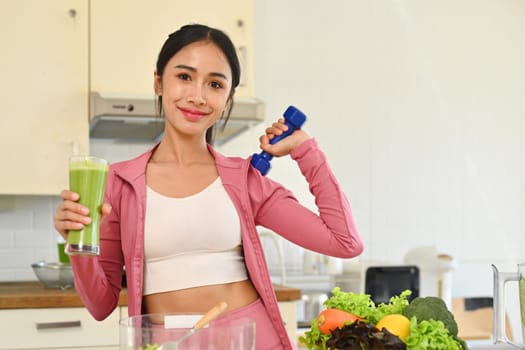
195, 88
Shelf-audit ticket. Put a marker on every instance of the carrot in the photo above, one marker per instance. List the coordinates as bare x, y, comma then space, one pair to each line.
330, 319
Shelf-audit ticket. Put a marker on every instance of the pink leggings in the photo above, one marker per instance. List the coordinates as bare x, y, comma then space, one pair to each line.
265, 334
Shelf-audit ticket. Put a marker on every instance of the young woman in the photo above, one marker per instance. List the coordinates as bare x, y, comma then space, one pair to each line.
182, 218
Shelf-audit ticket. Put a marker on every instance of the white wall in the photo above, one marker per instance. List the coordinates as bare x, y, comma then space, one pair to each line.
419, 107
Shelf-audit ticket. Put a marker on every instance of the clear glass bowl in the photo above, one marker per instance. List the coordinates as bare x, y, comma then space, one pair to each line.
150, 331
54, 275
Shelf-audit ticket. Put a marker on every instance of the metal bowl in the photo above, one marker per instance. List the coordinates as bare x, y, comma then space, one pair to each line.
54, 275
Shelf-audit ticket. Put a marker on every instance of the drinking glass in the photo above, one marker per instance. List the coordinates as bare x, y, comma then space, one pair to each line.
87, 177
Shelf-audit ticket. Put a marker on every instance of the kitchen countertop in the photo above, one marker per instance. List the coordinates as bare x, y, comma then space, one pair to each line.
32, 294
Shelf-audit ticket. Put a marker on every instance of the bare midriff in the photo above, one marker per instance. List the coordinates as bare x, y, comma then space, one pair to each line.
201, 299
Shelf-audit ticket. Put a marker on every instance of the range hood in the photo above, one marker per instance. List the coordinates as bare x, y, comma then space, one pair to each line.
134, 118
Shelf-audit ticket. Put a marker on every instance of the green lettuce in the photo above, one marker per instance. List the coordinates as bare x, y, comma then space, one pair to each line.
362, 305
430, 335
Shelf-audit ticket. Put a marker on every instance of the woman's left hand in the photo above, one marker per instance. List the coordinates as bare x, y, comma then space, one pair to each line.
284, 146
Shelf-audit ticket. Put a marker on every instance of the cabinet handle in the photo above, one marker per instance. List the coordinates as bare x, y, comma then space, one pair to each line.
53, 325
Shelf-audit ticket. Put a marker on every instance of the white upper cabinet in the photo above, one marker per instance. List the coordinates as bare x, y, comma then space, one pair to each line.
126, 37
44, 87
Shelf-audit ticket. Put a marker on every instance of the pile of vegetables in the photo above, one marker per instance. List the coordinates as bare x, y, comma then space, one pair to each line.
353, 321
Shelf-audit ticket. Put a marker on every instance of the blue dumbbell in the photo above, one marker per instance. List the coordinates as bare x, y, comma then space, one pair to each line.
294, 118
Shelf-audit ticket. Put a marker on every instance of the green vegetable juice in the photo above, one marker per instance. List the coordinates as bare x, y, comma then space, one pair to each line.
87, 177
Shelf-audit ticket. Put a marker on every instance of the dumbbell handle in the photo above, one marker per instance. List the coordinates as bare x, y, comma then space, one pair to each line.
294, 119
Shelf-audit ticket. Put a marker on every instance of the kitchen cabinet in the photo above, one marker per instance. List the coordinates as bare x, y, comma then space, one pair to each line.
44, 93
57, 328
126, 37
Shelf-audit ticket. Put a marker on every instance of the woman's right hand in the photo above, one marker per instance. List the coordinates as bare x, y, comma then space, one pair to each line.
71, 215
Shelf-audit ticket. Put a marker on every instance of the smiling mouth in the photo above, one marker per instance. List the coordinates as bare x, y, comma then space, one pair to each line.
192, 114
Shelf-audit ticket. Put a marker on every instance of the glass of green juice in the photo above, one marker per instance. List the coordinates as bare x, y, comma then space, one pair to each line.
87, 177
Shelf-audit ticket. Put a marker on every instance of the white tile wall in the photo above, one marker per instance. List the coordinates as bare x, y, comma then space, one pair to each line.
26, 235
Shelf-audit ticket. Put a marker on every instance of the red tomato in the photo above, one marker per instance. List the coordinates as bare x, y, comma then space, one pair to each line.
330, 319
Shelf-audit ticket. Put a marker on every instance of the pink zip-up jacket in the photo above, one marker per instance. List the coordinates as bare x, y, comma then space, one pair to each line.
258, 200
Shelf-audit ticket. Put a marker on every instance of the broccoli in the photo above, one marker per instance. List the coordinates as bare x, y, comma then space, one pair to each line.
432, 308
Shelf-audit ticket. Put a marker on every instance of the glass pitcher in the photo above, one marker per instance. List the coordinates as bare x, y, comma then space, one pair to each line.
500, 278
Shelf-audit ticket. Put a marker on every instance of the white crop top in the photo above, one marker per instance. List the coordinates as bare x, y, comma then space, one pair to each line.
191, 241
